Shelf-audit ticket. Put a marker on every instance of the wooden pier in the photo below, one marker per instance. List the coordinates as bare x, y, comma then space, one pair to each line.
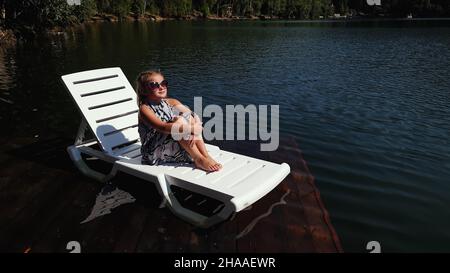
43, 199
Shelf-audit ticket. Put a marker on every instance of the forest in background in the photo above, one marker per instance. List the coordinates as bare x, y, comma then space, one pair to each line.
36, 15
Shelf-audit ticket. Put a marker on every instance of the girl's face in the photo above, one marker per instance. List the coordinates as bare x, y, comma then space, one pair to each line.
156, 90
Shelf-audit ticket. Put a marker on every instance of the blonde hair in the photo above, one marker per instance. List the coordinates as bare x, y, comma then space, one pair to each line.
141, 80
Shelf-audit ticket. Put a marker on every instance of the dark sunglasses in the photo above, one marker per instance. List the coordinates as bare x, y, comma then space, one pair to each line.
156, 85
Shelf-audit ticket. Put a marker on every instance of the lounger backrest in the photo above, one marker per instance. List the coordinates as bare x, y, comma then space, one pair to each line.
108, 102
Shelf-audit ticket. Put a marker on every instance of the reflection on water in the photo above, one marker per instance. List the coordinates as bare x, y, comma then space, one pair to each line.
367, 103
252, 224
111, 197
7, 71
107, 200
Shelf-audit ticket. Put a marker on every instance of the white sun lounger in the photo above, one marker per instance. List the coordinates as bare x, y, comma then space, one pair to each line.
107, 102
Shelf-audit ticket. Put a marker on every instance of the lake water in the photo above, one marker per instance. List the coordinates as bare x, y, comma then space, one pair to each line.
368, 103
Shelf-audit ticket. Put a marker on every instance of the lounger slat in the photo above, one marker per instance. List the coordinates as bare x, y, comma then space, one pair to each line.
217, 154
210, 147
190, 174
132, 154
182, 169
96, 73
135, 149
110, 112
118, 123
223, 157
234, 172
84, 77
257, 179
96, 101
144, 171
121, 137
88, 89
137, 159
107, 101
212, 152
108, 130
234, 164
248, 168
127, 149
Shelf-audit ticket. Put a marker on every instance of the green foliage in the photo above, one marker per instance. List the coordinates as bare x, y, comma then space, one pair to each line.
201, 6
104, 6
138, 7
120, 8
43, 14
38, 14
152, 7
86, 10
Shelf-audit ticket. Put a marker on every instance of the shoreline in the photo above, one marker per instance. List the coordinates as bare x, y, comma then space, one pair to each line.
10, 36
197, 17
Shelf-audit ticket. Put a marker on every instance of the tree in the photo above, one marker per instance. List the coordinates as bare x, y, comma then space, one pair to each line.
86, 10
42, 14
138, 7
121, 8
2, 12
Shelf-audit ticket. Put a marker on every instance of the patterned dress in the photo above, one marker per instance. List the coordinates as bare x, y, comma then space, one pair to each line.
158, 147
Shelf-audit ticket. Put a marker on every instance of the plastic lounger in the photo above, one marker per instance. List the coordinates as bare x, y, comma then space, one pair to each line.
107, 102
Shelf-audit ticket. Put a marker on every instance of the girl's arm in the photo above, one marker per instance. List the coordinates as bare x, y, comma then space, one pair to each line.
178, 106
165, 127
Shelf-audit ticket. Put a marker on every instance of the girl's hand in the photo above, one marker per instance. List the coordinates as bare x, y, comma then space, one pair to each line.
180, 128
191, 140
177, 119
197, 119
196, 128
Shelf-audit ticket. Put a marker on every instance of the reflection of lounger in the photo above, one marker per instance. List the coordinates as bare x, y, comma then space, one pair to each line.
108, 105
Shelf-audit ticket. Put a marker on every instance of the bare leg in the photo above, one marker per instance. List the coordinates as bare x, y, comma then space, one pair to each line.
202, 148
201, 161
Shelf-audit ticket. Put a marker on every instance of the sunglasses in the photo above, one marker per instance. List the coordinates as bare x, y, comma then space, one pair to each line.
156, 85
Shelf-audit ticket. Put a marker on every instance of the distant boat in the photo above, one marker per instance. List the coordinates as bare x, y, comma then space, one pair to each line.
409, 16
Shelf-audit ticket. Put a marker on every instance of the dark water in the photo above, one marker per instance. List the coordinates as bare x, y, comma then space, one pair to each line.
367, 102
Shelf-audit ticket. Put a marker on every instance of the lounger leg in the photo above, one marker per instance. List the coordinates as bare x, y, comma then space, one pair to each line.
163, 203
223, 215
75, 155
111, 174
81, 132
189, 215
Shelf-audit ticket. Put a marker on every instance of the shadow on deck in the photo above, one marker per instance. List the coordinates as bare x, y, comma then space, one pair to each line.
43, 199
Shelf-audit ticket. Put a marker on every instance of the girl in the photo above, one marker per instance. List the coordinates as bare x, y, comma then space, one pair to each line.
158, 119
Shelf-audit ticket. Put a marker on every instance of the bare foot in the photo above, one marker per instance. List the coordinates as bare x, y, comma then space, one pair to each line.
216, 164
208, 164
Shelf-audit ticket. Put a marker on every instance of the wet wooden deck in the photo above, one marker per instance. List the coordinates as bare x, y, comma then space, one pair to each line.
43, 199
